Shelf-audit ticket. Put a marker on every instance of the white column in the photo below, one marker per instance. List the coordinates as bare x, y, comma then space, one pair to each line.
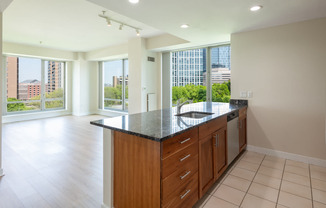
1, 70
84, 87
137, 81
166, 81
108, 156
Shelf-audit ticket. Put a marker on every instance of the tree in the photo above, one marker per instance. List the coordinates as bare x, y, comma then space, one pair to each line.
220, 93
12, 107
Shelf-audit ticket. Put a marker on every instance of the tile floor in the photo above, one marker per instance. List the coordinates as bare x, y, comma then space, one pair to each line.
259, 181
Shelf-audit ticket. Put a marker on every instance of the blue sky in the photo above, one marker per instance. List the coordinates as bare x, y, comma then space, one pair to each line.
29, 68
113, 68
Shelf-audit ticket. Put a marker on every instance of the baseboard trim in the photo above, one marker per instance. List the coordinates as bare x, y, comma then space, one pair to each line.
1, 172
104, 206
286, 155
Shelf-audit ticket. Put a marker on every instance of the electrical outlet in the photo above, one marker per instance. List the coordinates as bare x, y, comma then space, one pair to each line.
243, 94
250, 94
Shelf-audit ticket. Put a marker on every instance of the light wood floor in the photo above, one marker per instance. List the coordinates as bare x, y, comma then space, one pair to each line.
55, 162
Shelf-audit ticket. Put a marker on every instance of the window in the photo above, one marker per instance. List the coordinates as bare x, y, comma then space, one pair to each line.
115, 85
27, 85
190, 74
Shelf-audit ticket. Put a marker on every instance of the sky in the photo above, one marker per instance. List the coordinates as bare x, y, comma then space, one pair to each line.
113, 68
29, 68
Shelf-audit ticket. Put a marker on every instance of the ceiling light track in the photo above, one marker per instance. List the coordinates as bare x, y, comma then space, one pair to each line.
122, 24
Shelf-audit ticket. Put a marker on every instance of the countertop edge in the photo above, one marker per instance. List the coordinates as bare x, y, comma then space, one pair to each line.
166, 137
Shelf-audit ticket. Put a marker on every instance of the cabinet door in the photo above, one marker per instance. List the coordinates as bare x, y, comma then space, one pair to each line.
206, 164
242, 133
220, 154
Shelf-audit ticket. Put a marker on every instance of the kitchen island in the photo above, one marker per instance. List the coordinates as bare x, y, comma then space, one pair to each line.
158, 159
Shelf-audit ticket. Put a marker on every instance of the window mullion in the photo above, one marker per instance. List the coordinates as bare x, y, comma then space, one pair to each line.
123, 85
42, 86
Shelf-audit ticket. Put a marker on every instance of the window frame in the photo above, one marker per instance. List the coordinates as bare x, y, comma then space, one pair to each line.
43, 98
102, 99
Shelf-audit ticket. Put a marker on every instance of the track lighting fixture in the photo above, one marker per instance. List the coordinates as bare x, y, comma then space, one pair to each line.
122, 24
109, 22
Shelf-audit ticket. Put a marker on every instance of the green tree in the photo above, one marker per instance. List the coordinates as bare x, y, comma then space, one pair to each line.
12, 107
220, 93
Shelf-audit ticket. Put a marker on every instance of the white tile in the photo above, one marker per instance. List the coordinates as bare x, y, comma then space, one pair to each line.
290, 200
264, 192
229, 194
251, 201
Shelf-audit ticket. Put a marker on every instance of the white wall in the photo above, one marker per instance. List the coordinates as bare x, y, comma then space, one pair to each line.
1, 71
284, 66
37, 52
84, 83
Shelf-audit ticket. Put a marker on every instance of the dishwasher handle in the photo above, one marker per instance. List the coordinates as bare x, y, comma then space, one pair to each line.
233, 115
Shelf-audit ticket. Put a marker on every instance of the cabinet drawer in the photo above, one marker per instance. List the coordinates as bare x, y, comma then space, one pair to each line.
186, 194
179, 159
243, 112
212, 126
179, 142
179, 177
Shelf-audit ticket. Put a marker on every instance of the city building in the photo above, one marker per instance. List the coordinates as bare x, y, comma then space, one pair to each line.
55, 70
29, 89
12, 77
219, 75
118, 80
220, 57
188, 67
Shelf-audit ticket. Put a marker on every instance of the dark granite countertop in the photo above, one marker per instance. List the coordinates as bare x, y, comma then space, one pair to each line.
162, 124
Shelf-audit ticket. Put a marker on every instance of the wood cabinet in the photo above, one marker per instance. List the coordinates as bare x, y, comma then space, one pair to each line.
220, 152
174, 173
212, 152
206, 163
179, 173
151, 174
242, 129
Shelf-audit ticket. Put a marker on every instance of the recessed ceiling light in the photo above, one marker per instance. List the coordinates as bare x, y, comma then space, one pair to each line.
256, 8
184, 26
134, 1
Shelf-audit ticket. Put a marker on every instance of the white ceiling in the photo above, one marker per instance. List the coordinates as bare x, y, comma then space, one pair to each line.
212, 21
74, 24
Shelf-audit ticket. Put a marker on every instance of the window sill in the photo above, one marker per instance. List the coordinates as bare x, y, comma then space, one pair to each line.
34, 115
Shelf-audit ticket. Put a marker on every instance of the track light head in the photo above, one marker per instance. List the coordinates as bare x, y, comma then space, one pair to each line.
108, 21
120, 27
137, 32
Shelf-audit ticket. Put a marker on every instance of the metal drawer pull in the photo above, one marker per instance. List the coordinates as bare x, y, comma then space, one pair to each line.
185, 194
182, 159
185, 140
185, 175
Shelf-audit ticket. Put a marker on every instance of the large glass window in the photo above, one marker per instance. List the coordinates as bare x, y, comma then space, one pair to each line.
33, 85
115, 79
220, 73
54, 84
187, 75
190, 74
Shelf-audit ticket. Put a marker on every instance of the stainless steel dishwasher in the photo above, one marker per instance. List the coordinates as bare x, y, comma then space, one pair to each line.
233, 136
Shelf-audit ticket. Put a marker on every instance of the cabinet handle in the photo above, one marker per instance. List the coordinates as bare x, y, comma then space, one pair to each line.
185, 175
184, 141
185, 194
217, 140
182, 159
